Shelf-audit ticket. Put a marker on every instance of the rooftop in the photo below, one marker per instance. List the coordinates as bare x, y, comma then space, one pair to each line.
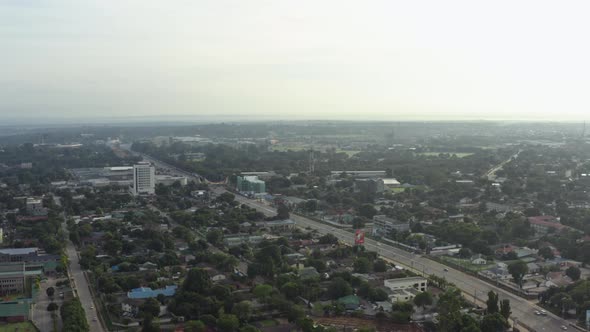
18, 251
547, 221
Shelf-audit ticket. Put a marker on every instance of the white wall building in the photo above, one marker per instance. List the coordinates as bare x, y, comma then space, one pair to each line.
144, 179
35, 206
418, 283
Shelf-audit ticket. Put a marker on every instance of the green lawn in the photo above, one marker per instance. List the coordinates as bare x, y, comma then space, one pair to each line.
268, 323
284, 148
458, 154
398, 190
18, 327
467, 264
350, 153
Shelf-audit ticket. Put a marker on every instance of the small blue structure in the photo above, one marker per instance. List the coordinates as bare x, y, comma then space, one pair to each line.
146, 292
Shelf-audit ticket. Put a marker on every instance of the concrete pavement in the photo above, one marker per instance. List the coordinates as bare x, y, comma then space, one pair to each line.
522, 310
40, 316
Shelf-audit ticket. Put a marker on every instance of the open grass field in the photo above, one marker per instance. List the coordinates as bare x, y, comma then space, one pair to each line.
435, 154
397, 190
466, 264
284, 148
18, 327
350, 153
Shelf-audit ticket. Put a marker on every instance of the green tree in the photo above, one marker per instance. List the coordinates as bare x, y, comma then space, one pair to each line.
367, 211
518, 270
243, 310
50, 291
249, 328
215, 236
362, 265
492, 303
295, 313
150, 307
493, 323
423, 299
228, 322
291, 290
379, 265
52, 306
358, 223
282, 212
328, 239
149, 325
73, 316
262, 292
338, 288
194, 326
449, 305
505, 310
546, 253
197, 280
573, 272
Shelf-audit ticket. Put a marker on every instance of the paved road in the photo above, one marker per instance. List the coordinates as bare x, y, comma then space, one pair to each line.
491, 174
82, 287
40, 316
163, 165
522, 309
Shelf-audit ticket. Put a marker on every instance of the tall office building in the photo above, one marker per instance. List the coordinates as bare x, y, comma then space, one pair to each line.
144, 179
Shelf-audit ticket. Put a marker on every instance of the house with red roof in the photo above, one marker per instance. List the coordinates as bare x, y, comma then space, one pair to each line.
544, 224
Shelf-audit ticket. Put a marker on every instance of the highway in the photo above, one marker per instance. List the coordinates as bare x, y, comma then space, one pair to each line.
523, 311
163, 165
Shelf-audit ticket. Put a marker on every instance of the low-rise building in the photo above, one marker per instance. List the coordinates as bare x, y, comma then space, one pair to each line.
369, 186
27, 255
16, 277
277, 225
403, 295
418, 283
478, 260
239, 239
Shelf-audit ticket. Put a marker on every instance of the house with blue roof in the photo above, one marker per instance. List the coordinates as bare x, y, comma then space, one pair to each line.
147, 292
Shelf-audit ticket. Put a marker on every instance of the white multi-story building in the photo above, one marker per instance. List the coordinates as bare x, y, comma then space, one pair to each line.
382, 225
144, 179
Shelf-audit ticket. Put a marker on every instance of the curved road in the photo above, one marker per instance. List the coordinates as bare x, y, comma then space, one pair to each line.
522, 310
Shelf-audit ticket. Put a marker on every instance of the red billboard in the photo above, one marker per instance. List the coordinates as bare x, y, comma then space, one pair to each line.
359, 237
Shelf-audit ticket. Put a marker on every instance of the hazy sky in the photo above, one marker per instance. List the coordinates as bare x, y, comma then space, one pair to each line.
307, 59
